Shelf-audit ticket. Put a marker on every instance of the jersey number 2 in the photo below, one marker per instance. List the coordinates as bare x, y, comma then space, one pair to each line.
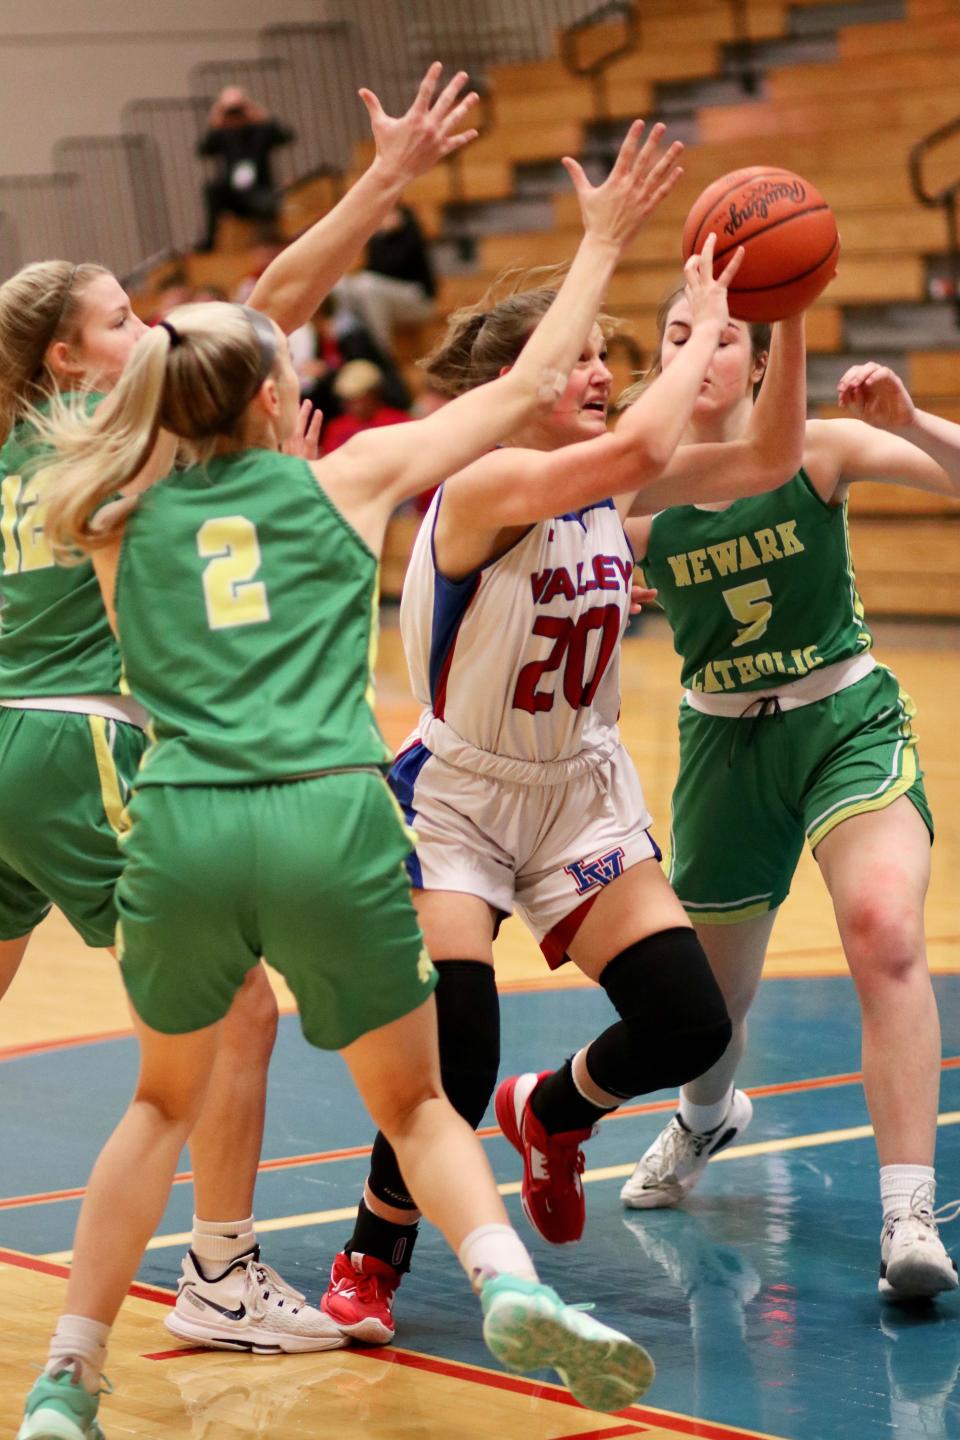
570, 645
232, 594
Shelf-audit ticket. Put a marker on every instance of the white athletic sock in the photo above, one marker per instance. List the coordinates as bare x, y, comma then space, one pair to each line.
216, 1242
494, 1250
702, 1118
899, 1183
83, 1340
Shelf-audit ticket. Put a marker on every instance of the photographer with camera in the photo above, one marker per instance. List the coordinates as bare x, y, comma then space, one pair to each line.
240, 135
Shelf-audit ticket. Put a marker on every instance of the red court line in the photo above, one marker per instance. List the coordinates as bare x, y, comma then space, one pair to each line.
486, 1132
607, 1434
704, 1430
61, 1272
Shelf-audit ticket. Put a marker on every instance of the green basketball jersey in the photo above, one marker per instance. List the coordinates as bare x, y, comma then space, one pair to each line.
54, 634
246, 607
760, 593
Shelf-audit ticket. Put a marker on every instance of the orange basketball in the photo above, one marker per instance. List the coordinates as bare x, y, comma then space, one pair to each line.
787, 230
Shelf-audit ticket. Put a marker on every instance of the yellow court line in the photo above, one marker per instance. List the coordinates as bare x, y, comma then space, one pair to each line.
605, 1172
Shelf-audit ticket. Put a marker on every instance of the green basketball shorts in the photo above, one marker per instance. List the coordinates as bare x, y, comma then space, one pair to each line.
65, 780
749, 791
308, 874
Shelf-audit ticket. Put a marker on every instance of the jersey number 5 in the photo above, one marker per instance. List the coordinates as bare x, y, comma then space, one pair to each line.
751, 608
232, 594
570, 645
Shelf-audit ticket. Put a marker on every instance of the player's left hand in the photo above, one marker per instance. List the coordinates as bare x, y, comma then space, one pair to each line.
876, 394
409, 145
640, 595
305, 440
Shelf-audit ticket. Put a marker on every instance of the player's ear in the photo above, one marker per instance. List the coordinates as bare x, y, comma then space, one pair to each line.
268, 396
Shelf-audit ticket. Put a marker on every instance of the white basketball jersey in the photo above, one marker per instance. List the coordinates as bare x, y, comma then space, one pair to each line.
522, 657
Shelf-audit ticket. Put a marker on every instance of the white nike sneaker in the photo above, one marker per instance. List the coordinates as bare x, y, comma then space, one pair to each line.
247, 1307
674, 1163
913, 1261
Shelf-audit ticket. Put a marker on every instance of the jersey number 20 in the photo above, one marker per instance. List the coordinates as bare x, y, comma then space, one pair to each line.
232, 594
569, 650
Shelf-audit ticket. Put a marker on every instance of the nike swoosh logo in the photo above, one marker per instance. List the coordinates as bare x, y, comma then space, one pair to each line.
238, 1314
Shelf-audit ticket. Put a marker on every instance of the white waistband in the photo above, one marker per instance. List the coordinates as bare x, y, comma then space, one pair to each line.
111, 707
446, 744
824, 681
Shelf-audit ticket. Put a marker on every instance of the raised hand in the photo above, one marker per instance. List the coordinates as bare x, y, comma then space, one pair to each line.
305, 440
641, 177
873, 393
409, 145
707, 296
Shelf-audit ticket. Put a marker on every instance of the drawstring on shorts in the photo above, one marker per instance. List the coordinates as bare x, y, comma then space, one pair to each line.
769, 705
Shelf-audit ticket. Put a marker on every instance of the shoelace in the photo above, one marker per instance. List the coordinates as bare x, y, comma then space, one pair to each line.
677, 1139
921, 1207
570, 1159
263, 1281
106, 1387
371, 1287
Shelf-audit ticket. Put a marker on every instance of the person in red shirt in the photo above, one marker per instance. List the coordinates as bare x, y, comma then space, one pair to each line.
359, 387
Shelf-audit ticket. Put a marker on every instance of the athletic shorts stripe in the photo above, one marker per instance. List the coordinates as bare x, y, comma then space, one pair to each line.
102, 733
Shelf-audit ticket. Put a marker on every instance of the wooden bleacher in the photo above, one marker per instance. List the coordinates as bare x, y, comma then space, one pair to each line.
847, 124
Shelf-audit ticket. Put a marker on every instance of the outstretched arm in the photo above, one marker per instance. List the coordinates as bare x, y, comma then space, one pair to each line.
891, 439
768, 455
293, 285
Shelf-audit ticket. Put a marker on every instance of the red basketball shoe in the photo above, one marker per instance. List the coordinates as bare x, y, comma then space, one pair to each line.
552, 1192
359, 1298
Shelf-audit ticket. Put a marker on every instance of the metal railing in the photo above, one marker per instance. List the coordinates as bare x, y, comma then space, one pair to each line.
946, 197
121, 211
134, 199
174, 128
45, 214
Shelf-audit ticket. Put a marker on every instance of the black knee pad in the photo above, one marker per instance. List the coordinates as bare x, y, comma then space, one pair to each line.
468, 1026
674, 1023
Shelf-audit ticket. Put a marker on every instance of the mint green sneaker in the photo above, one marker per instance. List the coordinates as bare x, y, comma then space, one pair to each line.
59, 1407
528, 1327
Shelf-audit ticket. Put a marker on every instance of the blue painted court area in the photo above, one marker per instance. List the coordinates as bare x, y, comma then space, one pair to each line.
758, 1300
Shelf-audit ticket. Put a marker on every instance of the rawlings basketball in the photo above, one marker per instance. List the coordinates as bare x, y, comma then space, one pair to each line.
787, 230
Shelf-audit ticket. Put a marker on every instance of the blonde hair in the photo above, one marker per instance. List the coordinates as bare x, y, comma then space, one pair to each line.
483, 339
40, 304
759, 346
193, 375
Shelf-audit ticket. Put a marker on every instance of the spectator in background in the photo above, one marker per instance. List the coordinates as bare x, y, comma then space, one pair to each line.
240, 136
359, 388
339, 337
397, 284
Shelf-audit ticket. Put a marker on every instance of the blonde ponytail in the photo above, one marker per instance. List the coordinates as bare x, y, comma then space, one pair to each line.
193, 376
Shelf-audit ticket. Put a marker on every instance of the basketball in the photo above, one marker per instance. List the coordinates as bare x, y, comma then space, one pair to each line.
787, 229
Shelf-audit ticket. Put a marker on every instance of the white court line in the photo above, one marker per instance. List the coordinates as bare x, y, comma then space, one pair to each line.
606, 1172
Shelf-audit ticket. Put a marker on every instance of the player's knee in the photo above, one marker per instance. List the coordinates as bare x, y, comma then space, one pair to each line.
673, 1011
883, 941
468, 1025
